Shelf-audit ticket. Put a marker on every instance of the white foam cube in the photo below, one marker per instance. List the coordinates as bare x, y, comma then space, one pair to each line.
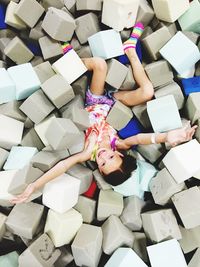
180, 52
106, 44
11, 132
163, 114
56, 225
170, 10
119, 14
125, 257
166, 254
69, 66
6, 177
7, 87
19, 156
61, 194
25, 79
183, 161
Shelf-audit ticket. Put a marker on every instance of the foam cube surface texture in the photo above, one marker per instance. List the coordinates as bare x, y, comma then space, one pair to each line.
61, 194
5, 181
7, 87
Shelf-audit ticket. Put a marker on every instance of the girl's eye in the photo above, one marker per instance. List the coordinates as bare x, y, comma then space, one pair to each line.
103, 164
111, 157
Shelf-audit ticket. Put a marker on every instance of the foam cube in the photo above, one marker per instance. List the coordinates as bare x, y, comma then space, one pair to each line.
62, 193
124, 257
163, 114
167, 11
77, 68
88, 5
56, 225
172, 89
31, 138
86, 26
40, 253
10, 259
86, 207
160, 224
37, 106
195, 261
7, 87
86, 247
115, 235
20, 224
65, 257
66, 132
18, 52
55, 3
58, 24
11, 132
3, 156
192, 107
119, 14
25, 79
82, 173
119, 115
63, 93
190, 238
180, 52
186, 203
151, 152
2, 225
11, 19
140, 245
106, 44
183, 161
78, 146
130, 216
19, 157
6, 179
44, 71
189, 21
50, 48
140, 111
11, 109
116, 73
163, 187
191, 85
129, 82
36, 32
109, 203
101, 183
145, 12
159, 254
153, 42
159, 73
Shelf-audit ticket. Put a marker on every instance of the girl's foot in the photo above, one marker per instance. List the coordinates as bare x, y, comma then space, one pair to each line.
135, 35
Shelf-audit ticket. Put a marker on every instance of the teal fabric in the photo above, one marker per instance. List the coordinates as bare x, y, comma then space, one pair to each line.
139, 181
9, 260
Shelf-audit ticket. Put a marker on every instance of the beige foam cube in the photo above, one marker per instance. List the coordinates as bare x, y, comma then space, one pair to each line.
11, 19
190, 238
86, 207
6, 177
195, 261
2, 225
62, 228
192, 107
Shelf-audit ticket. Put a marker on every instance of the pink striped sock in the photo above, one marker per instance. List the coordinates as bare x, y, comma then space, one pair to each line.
135, 35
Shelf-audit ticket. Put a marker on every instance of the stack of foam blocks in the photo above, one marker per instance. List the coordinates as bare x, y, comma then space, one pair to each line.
77, 219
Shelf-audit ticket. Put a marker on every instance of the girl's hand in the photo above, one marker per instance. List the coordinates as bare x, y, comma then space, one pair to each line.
182, 135
30, 189
89, 146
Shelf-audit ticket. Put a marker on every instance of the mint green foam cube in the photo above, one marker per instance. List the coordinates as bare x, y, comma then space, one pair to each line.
25, 79
125, 257
180, 52
190, 20
7, 87
9, 260
106, 44
163, 114
19, 156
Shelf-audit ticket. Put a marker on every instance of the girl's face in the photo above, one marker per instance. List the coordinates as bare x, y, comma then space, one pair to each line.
108, 160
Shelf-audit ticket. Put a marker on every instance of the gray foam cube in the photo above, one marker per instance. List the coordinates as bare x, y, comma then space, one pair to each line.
88, 5
65, 257
11, 19
50, 48
109, 203
159, 73
151, 152
155, 41
11, 109
101, 183
24, 219
31, 138
140, 245
82, 173
86, 207
160, 224
58, 24
79, 146
41, 253
23, 9
193, 36
36, 61
140, 111
86, 26
55, 3
84, 52
195, 261
192, 108
3, 219
163, 187
130, 216
116, 73
17, 51
63, 93
129, 82
186, 203
36, 33
119, 115
115, 235
23, 177
66, 132
145, 12
37, 106
190, 238
3, 156
197, 133
172, 89
86, 247
44, 71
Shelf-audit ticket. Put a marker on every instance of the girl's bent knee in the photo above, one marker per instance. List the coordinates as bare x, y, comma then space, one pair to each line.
100, 64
